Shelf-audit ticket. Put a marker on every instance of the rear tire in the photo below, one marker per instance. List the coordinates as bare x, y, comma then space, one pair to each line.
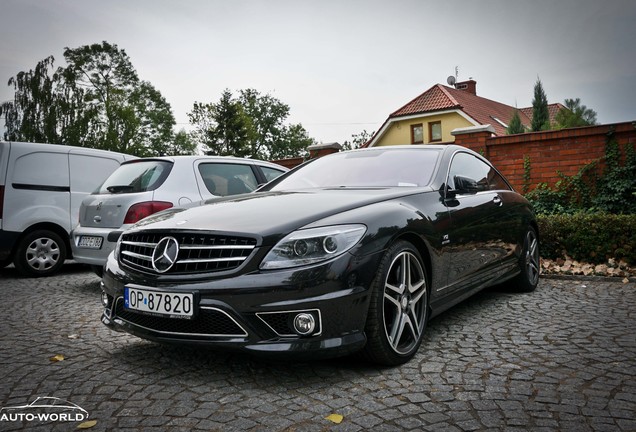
40, 253
399, 307
529, 264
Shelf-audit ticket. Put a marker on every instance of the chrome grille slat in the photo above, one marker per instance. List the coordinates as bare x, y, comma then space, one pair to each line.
136, 255
216, 247
210, 260
198, 252
142, 244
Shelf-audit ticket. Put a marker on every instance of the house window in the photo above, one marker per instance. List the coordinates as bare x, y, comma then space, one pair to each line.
435, 131
417, 134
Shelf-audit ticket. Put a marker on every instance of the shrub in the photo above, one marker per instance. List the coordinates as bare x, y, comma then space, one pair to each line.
589, 237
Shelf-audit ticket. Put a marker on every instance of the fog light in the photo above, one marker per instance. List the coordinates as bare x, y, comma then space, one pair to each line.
304, 324
105, 300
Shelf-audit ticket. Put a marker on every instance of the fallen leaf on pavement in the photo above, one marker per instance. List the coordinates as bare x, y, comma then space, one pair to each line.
336, 418
87, 424
57, 358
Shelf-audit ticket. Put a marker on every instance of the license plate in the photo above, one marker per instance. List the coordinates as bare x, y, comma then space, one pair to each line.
90, 242
172, 305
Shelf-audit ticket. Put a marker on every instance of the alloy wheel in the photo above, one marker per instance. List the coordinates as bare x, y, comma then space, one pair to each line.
532, 257
405, 302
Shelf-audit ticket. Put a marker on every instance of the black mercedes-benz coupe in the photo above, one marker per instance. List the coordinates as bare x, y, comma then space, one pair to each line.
351, 252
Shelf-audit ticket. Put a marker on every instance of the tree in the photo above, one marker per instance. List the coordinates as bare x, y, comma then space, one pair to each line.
293, 142
574, 114
515, 126
223, 128
540, 113
181, 145
357, 140
249, 125
97, 101
32, 115
266, 114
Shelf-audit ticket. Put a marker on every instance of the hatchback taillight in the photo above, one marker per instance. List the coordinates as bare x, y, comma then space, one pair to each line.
140, 210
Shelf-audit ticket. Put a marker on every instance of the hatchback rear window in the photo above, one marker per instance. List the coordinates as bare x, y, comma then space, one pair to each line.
138, 176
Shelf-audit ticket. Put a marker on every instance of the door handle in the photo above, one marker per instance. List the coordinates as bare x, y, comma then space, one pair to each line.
497, 200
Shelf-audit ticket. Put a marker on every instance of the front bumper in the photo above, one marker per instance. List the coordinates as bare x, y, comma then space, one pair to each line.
254, 312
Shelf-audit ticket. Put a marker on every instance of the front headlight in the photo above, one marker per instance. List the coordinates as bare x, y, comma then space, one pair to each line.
309, 246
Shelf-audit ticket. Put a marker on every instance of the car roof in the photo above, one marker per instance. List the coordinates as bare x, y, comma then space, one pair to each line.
192, 158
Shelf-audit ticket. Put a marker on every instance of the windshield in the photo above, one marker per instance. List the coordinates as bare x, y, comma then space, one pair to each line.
137, 176
383, 167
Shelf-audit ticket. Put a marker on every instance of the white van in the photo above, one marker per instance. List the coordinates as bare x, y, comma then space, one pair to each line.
41, 189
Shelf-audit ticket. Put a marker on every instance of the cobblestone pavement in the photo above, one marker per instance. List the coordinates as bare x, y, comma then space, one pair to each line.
561, 358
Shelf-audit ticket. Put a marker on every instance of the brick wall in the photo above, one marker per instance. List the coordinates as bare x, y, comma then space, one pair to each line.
549, 152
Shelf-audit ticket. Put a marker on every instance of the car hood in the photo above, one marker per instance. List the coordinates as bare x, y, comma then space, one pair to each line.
269, 213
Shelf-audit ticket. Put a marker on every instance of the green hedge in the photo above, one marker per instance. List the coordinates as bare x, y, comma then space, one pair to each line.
588, 237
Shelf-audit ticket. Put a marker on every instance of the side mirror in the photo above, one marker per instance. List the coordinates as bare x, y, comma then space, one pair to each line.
465, 185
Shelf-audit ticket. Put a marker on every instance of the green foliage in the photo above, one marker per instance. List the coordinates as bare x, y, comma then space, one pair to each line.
248, 125
515, 126
223, 127
592, 238
97, 101
611, 190
357, 140
527, 173
574, 115
616, 188
540, 113
182, 144
32, 114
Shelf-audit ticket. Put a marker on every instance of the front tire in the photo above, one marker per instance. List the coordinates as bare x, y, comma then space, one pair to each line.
399, 306
40, 253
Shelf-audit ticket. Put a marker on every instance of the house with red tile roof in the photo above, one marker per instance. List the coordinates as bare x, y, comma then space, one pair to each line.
432, 116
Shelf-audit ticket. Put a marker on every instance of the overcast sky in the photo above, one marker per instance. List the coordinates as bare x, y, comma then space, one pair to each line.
344, 66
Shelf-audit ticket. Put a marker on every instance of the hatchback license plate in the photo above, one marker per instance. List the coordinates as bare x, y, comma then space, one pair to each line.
172, 305
90, 242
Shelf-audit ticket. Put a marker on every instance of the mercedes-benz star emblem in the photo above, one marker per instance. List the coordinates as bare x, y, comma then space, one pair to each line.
165, 254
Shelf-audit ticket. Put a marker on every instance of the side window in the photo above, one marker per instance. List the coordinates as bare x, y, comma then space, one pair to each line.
42, 169
222, 179
496, 181
270, 173
466, 168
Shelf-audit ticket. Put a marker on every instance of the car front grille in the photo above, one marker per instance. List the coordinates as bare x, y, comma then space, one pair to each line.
198, 252
209, 322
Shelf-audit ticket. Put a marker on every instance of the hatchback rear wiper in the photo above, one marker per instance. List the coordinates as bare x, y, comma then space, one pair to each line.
119, 188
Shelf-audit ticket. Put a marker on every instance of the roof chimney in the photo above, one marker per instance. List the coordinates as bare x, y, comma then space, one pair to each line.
469, 86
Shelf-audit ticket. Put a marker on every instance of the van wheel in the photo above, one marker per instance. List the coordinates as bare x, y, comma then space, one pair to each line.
40, 253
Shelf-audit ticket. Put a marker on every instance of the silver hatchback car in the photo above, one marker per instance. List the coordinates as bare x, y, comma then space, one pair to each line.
141, 187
